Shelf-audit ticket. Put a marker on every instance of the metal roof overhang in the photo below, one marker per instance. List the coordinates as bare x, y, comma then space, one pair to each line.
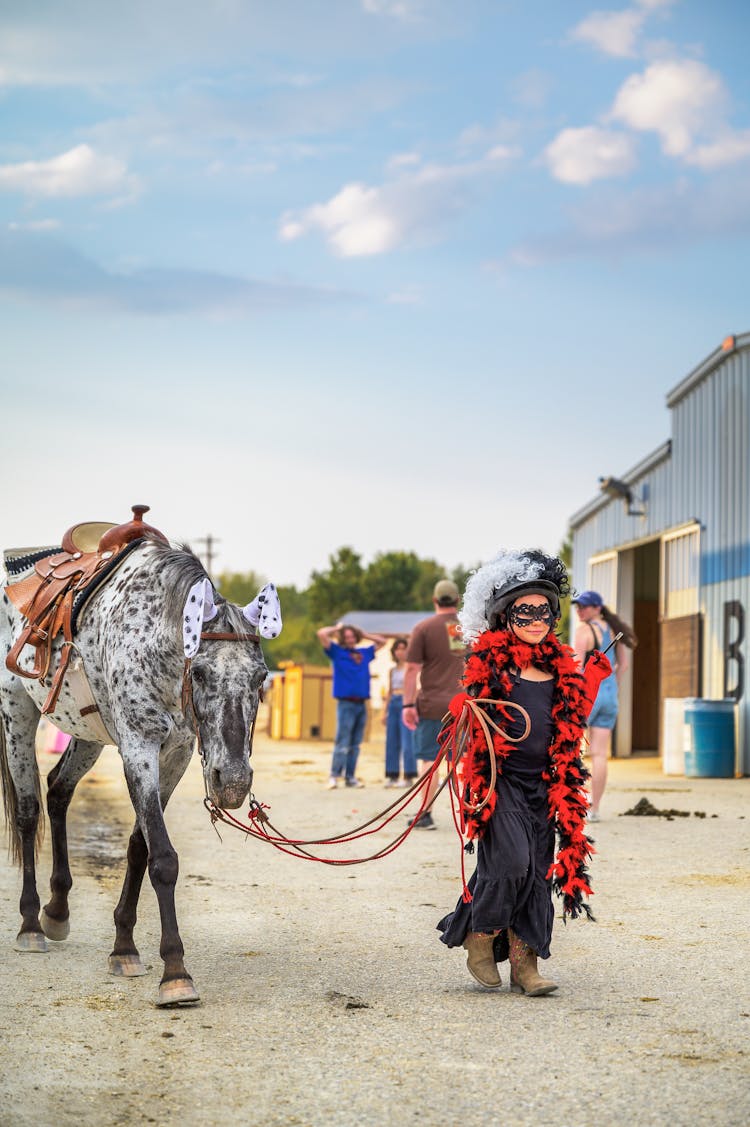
728, 347
630, 478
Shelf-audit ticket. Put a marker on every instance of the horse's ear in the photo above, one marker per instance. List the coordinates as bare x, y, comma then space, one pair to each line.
264, 612
199, 608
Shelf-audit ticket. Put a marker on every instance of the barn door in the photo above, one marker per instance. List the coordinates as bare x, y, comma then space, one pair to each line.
680, 614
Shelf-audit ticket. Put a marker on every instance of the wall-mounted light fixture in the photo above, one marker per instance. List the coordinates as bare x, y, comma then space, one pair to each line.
635, 505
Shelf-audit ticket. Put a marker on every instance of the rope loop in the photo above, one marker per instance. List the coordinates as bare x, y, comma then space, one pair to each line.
453, 742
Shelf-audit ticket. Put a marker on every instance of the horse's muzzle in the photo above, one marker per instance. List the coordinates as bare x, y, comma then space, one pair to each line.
229, 793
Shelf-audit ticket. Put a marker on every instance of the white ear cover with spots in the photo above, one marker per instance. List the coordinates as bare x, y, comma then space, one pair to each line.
264, 612
199, 608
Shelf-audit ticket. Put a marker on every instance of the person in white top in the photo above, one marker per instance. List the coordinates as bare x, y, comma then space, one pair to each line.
399, 740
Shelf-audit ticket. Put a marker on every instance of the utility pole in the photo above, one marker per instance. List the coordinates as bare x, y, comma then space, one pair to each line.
209, 542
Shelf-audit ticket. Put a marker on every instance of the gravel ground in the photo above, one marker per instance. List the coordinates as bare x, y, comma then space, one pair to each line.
328, 1000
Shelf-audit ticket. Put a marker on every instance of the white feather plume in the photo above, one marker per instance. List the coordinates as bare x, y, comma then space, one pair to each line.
501, 569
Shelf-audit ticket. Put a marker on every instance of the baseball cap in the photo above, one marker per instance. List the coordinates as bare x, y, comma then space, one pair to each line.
446, 593
589, 599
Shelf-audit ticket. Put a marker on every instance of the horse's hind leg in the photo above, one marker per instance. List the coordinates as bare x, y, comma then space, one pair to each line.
125, 959
80, 757
22, 798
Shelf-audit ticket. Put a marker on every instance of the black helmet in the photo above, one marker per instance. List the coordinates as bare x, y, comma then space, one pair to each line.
502, 597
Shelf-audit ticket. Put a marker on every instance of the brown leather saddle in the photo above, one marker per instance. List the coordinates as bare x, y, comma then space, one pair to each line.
48, 598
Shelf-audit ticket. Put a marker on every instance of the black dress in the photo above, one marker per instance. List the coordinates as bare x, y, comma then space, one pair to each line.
509, 887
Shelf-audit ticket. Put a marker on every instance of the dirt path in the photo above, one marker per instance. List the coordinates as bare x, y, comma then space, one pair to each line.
327, 999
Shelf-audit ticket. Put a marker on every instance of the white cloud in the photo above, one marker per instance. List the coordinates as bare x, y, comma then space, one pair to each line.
38, 266
35, 225
362, 220
614, 33
683, 101
532, 88
402, 160
84, 44
618, 33
356, 221
578, 156
501, 152
408, 295
480, 138
676, 99
613, 224
729, 148
78, 172
406, 10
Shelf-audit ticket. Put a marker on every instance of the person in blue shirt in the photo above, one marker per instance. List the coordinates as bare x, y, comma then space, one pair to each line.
351, 688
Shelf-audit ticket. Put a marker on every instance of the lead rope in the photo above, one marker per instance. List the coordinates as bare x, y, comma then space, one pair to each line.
261, 827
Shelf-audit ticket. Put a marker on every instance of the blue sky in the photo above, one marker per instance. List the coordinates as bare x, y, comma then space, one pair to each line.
397, 274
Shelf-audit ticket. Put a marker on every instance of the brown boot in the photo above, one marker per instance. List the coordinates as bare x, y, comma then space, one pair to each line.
481, 960
524, 976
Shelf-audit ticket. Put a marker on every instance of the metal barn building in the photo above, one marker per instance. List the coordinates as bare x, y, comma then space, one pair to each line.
668, 547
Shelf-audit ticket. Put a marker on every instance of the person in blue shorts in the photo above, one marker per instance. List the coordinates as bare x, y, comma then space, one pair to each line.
597, 626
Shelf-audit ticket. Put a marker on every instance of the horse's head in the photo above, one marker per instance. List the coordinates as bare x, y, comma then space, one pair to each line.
224, 677
227, 680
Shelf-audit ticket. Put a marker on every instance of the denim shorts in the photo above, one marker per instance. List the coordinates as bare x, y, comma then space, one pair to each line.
603, 714
425, 739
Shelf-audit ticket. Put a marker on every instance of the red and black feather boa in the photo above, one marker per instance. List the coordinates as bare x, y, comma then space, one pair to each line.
493, 658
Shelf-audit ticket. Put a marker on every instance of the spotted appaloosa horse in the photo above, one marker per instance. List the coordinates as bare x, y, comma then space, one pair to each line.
131, 641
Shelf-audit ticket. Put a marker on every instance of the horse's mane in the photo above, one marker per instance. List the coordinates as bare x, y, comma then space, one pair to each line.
179, 568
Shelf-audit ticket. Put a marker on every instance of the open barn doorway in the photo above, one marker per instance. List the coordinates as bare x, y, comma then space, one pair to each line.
646, 658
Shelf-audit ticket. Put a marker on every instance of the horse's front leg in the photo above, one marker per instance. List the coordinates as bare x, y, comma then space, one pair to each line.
80, 757
125, 959
149, 796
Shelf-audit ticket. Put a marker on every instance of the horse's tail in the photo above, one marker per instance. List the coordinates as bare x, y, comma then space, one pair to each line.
10, 803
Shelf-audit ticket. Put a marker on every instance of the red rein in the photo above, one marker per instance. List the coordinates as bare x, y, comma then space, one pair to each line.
260, 826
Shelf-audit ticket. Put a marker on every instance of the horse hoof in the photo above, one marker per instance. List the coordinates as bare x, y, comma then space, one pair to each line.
31, 941
126, 966
54, 929
178, 992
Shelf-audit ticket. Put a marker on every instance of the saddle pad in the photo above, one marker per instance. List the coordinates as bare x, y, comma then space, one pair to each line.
19, 562
19, 565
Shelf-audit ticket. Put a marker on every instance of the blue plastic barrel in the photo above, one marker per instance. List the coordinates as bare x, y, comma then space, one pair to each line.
711, 751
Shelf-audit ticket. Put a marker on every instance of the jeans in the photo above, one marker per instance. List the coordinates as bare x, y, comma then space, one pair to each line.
399, 742
350, 727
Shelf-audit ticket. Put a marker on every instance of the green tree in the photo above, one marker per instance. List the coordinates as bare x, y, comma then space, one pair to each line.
394, 581
429, 573
460, 575
297, 641
333, 592
240, 587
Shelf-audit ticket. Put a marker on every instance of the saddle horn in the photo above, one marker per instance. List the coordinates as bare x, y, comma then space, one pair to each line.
133, 529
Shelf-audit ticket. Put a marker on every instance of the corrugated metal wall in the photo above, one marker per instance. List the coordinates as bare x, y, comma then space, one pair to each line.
711, 464
706, 478
711, 480
610, 527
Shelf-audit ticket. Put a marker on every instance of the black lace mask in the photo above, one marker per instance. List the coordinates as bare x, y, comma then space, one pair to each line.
523, 614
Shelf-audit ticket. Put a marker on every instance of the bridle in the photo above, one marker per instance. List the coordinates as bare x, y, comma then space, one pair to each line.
188, 702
